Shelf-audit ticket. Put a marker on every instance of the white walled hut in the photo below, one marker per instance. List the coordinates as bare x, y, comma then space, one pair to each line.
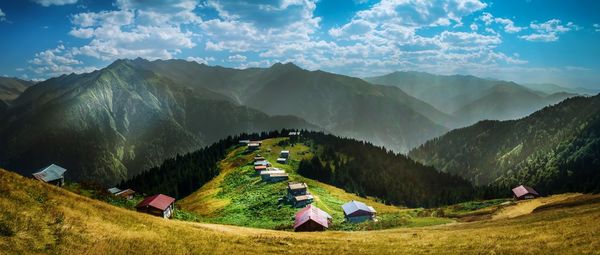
356, 212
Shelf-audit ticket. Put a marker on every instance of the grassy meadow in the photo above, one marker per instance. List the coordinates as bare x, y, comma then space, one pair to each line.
36, 218
238, 197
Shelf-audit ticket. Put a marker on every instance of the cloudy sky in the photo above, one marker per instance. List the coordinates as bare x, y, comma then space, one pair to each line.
533, 41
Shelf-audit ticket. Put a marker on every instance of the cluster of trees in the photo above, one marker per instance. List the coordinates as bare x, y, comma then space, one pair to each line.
554, 150
184, 174
367, 170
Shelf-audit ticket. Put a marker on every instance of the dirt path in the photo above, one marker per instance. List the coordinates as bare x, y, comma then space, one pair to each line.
527, 206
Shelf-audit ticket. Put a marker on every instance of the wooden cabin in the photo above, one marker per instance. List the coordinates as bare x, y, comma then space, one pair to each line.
296, 189
302, 200
298, 195
262, 163
281, 160
158, 205
524, 192
260, 168
244, 142
284, 154
113, 190
356, 212
52, 174
126, 194
275, 177
311, 218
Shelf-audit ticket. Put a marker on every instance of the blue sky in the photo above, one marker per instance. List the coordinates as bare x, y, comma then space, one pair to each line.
533, 41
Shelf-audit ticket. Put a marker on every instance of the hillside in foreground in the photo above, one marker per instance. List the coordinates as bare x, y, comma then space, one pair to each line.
39, 219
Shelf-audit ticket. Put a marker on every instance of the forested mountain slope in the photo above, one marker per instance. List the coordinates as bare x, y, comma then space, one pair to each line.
556, 149
113, 123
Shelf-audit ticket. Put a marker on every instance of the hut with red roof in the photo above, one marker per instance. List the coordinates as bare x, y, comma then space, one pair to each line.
311, 218
158, 205
524, 192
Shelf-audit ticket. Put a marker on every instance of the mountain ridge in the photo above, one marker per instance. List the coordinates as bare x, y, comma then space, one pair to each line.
113, 123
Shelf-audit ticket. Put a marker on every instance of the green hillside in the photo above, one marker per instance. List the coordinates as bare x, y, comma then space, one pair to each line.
237, 196
555, 150
219, 184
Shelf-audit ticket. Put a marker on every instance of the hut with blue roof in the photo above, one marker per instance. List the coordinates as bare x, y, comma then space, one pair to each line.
356, 212
51, 174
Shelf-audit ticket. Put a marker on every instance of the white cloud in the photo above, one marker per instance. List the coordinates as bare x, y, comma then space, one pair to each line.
57, 61
597, 27
2, 16
237, 58
47, 3
507, 25
201, 60
548, 31
474, 27
402, 17
151, 30
253, 26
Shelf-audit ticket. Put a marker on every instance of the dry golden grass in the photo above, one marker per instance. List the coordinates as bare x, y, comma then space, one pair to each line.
39, 219
524, 207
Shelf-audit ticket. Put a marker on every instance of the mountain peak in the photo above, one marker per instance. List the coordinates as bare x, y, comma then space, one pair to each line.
287, 65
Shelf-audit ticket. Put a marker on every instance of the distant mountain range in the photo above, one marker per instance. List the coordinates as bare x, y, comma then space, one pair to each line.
113, 123
556, 149
549, 88
470, 99
11, 88
344, 105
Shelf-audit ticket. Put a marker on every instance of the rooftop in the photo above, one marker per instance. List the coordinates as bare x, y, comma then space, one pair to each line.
158, 201
523, 190
297, 185
354, 206
50, 173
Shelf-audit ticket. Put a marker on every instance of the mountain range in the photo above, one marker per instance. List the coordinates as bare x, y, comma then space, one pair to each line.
113, 123
11, 88
116, 122
470, 99
556, 149
347, 106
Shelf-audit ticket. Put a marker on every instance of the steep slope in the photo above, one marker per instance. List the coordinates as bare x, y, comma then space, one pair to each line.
40, 219
113, 123
555, 149
360, 168
506, 101
237, 196
11, 88
344, 105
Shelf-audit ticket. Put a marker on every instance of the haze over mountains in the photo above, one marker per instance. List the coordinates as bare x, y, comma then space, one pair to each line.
113, 123
469, 98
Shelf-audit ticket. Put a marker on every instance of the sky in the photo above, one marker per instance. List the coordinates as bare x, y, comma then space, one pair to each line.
526, 41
